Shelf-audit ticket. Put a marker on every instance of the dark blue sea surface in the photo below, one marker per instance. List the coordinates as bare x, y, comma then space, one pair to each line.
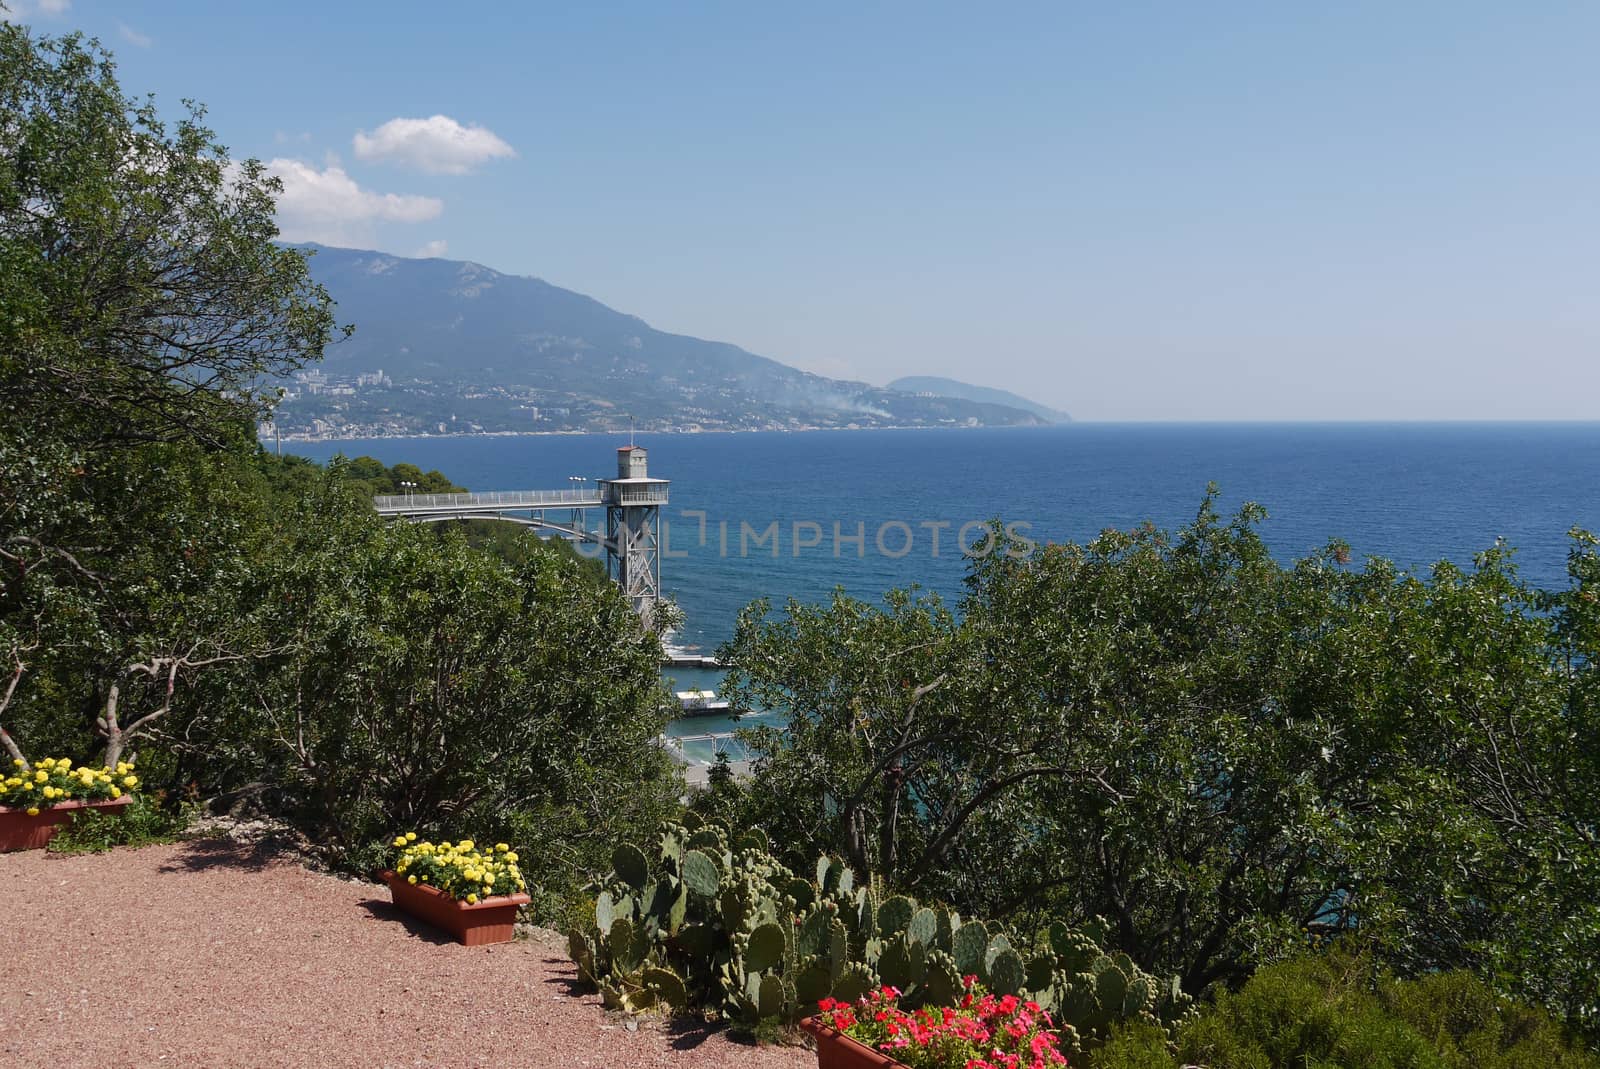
1414, 493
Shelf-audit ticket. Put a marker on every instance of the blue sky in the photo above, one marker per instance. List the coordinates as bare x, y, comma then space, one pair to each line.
1132, 210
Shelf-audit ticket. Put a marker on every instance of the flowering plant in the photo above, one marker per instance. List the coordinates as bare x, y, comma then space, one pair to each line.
461, 870
984, 1032
54, 780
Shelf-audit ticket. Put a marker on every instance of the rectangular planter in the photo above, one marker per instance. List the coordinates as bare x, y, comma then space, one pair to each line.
18, 831
488, 921
835, 1050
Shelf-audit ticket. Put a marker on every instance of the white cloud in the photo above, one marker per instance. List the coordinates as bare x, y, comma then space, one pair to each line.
17, 10
436, 247
437, 145
329, 206
133, 36
282, 137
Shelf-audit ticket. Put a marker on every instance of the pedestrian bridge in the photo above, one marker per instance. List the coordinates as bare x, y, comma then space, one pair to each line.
492, 504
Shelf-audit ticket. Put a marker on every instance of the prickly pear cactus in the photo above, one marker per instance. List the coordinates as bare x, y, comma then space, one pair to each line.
1083, 987
706, 920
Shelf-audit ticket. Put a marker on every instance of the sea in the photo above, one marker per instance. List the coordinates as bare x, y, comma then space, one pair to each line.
795, 515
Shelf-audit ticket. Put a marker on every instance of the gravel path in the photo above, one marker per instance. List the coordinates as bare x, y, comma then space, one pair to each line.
217, 954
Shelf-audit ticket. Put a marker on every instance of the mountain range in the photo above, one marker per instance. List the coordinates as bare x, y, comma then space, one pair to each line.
446, 346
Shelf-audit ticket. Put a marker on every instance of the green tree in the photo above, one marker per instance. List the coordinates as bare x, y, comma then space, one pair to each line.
247, 622
1486, 835
423, 684
1217, 753
145, 297
144, 309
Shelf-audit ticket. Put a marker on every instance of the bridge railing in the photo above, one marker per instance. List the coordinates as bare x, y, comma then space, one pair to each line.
504, 499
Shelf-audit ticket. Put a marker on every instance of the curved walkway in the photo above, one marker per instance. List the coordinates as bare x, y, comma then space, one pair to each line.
212, 953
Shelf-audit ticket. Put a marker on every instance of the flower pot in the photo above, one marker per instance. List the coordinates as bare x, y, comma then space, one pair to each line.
489, 920
835, 1050
18, 831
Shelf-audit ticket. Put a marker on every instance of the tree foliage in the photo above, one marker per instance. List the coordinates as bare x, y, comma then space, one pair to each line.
1218, 753
246, 623
145, 298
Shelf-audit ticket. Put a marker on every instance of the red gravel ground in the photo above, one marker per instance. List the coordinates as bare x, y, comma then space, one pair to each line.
215, 954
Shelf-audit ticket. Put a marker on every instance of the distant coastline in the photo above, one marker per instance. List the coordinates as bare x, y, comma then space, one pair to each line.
298, 436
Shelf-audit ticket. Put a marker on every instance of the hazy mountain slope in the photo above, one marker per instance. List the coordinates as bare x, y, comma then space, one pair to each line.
985, 394
457, 326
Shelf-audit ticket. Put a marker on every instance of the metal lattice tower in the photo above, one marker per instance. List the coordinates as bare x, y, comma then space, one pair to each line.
633, 503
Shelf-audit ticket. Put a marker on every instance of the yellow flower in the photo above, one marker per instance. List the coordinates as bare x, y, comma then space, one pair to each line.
501, 847
400, 840
115, 793
464, 844
512, 857
130, 781
411, 879
472, 900
33, 811
17, 762
411, 836
40, 776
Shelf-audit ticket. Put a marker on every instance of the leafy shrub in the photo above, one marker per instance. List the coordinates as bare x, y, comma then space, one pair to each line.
1471, 1025
141, 823
1134, 1045
1338, 1010
425, 685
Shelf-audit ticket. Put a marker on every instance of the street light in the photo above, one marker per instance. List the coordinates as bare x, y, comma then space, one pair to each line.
408, 488
579, 520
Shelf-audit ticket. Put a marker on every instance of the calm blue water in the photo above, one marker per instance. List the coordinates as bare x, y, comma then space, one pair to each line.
1415, 493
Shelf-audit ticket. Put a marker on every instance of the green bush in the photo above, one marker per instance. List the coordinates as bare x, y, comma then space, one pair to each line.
140, 823
1137, 1045
1340, 1011
1472, 1026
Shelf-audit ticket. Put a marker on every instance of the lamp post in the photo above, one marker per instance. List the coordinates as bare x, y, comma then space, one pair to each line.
578, 518
408, 487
